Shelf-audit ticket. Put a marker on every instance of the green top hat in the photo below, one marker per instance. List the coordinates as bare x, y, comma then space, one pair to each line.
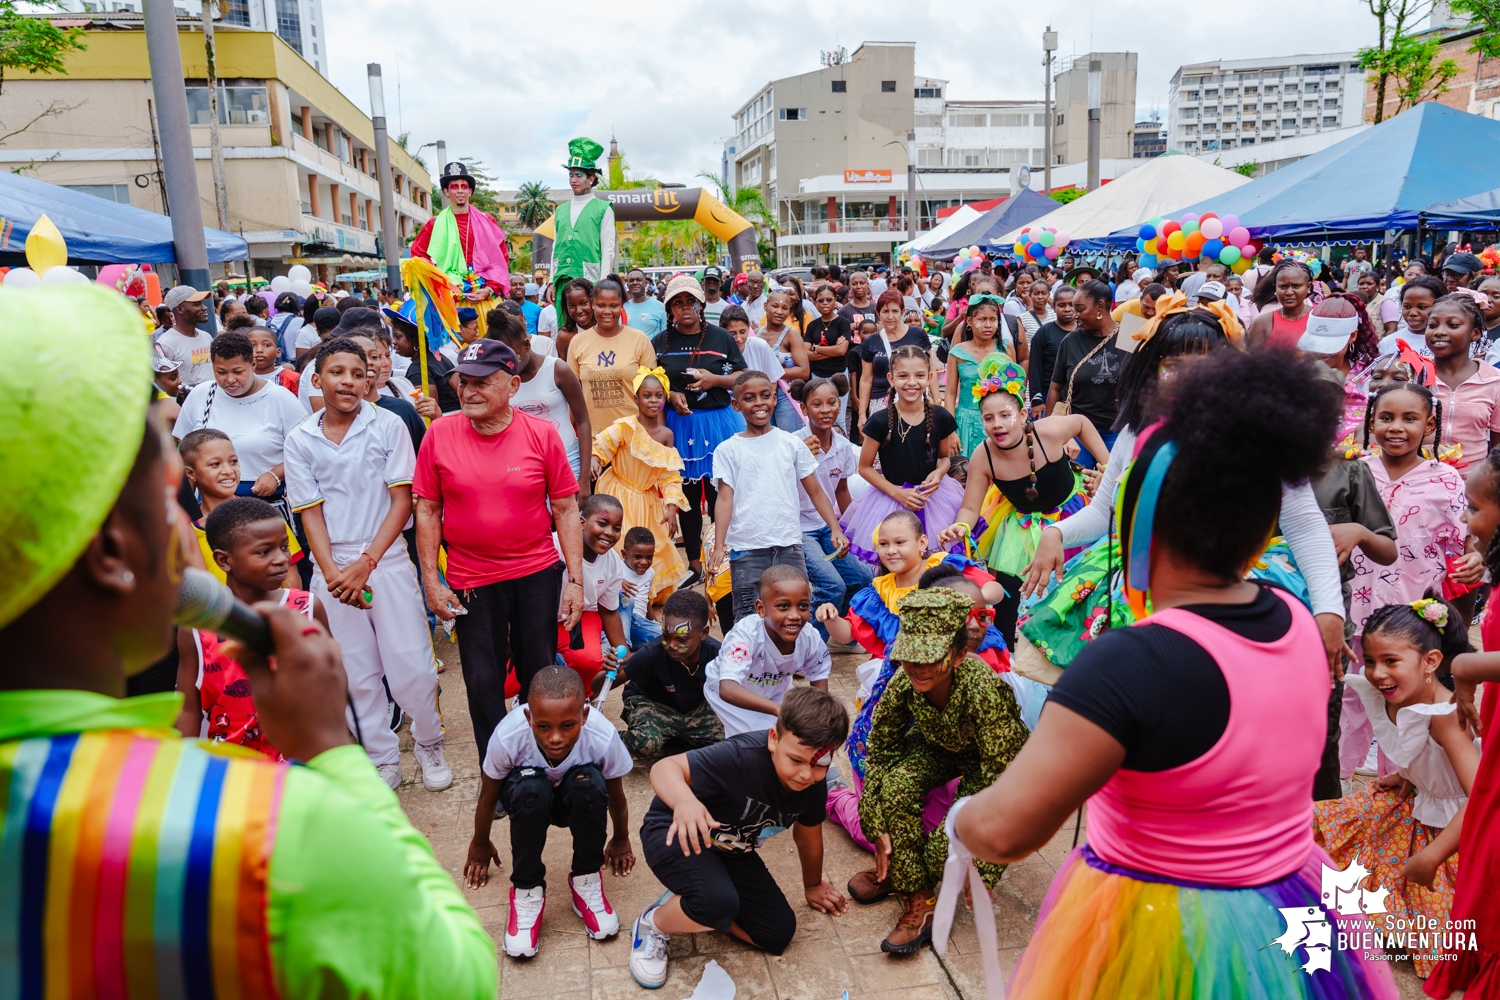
583, 154
929, 621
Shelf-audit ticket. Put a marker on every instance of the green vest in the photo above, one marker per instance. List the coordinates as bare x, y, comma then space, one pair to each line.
576, 252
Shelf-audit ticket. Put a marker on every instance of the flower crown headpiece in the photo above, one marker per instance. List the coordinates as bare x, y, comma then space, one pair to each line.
996, 375
1431, 611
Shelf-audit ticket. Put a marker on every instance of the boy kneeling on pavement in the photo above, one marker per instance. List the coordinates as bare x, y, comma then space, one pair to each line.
663, 690
702, 830
555, 762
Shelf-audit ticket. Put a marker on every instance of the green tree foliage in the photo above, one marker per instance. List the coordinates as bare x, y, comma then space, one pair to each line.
1248, 169
1419, 76
1399, 55
35, 44
533, 204
1068, 194
1485, 15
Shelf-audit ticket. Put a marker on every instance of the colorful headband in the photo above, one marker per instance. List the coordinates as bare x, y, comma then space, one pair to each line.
642, 373
983, 297
1433, 612
1140, 490
1000, 376
1176, 302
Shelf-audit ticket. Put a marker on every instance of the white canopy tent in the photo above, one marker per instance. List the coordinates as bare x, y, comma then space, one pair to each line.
942, 230
1161, 187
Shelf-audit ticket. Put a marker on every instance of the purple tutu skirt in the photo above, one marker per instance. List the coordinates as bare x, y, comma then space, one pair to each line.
865, 514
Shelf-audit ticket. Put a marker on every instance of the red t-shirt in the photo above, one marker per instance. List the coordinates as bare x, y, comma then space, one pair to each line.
494, 492
424, 236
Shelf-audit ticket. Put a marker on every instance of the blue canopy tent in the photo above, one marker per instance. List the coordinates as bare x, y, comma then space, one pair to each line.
1478, 211
986, 230
96, 231
1384, 178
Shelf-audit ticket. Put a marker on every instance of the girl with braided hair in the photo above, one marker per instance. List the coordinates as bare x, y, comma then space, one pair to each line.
1019, 479
910, 438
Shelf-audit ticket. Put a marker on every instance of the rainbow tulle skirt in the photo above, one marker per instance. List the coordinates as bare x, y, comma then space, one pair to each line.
1112, 933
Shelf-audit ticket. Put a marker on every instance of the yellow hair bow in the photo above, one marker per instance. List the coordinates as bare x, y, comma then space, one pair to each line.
642, 373
1176, 302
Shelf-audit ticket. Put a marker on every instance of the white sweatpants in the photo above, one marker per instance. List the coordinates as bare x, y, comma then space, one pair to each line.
390, 640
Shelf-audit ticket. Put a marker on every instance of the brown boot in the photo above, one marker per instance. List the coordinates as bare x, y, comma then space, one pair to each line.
863, 888
914, 928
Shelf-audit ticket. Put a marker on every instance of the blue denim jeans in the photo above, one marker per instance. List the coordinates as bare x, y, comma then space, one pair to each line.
746, 566
1086, 457
786, 416
639, 629
832, 579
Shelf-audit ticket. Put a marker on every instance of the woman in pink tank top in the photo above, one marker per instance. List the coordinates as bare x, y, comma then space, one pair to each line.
1193, 736
1291, 284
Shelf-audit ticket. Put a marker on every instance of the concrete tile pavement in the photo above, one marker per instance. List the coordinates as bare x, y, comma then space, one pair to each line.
827, 956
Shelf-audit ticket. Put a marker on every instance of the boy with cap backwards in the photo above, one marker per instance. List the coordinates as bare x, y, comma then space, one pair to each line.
945, 715
461, 239
584, 237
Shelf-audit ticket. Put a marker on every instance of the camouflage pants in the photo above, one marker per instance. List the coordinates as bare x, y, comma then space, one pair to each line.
892, 802
650, 725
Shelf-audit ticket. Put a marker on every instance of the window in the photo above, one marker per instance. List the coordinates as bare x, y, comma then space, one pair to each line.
792, 114
1190, 146
1312, 88
1039, 156
840, 86
1330, 121
1330, 102
1211, 110
1251, 91
1288, 123
1039, 121
1289, 105
1189, 130
1210, 127
1211, 92
1309, 122
750, 171
315, 48
1231, 91
237, 106
930, 157
119, 193
1270, 89
237, 12
1268, 125
1188, 113
927, 92
1010, 121
928, 121
297, 123
1060, 117
1230, 109
289, 23
1330, 85
1191, 95
1290, 88
1247, 142
966, 158
967, 121
887, 86
314, 29
1309, 105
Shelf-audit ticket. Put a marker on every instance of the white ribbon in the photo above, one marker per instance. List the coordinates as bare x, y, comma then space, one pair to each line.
961, 861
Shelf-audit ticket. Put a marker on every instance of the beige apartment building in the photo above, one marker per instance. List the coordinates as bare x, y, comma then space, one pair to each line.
299, 155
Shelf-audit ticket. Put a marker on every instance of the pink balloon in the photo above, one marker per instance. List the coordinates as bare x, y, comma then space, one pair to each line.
1211, 229
1230, 222
1190, 217
1239, 236
110, 273
957, 259
1062, 239
1053, 251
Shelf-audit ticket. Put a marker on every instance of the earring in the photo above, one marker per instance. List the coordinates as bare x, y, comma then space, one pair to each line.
127, 577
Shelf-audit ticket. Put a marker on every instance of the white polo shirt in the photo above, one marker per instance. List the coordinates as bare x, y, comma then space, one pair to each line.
513, 745
257, 423
352, 479
601, 581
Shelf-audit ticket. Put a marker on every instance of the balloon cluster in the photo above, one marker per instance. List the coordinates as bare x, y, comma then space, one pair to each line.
1194, 237
297, 280
1041, 243
967, 259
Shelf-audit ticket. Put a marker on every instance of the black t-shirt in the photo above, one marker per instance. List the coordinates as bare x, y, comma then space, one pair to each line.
909, 461
736, 781
415, 425
712, 348
1157, 691
1094, 385
857, 315
655, 675
1044, 345
874, 351
438, 370
828, 335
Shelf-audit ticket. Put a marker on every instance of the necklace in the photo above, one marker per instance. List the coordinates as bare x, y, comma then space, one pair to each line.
902, 427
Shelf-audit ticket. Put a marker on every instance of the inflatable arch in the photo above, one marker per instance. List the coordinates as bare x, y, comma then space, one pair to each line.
662, 204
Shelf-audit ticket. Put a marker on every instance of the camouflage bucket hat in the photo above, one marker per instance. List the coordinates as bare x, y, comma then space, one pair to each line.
929, 621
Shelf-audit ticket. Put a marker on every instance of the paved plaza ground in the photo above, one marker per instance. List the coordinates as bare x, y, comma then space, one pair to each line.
828, 955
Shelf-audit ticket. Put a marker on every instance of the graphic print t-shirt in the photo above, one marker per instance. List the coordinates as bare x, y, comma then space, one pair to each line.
605, 366
736, 781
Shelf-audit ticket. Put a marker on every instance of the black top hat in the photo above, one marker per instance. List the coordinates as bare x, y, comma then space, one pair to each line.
456, 171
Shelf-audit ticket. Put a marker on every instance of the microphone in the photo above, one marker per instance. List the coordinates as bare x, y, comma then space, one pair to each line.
205, 603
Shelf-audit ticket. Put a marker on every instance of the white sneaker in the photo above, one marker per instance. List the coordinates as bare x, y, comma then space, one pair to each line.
648, 949
524, 928
436, 774
592, 907
1371, 767
390, 774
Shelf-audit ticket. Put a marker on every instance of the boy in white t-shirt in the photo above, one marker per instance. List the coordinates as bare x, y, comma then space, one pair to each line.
756, 524
554, 763
635, 594
759, 656
603, 578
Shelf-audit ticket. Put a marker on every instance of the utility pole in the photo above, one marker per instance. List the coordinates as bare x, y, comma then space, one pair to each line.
216, 148
442, 157
912, 216
1096, 75
387, 191
1049, 46
161, 184
176, 142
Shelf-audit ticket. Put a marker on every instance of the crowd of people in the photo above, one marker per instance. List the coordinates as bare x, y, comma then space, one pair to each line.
696, 492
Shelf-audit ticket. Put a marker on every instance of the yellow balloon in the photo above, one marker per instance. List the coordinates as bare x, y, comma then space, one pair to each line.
1151, 245
45, 247
1176, 241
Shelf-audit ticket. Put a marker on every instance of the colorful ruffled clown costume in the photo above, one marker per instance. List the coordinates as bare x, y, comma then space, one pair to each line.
645, 476
136, 863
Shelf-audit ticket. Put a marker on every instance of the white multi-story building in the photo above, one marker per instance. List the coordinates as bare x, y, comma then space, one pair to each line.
1232, 103
298, 22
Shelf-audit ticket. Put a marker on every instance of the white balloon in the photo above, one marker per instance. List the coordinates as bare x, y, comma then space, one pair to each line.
62, 276
22, 277
301, 288
299, 272
281, 283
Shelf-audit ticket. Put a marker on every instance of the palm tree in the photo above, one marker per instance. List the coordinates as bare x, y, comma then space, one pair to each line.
533, 205
747, 201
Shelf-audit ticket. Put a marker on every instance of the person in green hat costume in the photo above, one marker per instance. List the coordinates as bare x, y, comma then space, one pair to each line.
584, 241
945, 715
133, 862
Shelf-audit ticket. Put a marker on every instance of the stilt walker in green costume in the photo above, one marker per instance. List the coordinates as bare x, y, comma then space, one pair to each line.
584, 244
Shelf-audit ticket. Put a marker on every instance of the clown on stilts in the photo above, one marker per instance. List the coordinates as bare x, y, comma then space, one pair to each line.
584, 242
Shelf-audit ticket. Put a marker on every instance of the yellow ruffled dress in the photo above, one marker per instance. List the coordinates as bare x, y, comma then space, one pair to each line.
644, 476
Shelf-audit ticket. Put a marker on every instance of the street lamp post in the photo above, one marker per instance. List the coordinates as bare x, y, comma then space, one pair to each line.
1049, 46
1096, 74
387, 188
911, 186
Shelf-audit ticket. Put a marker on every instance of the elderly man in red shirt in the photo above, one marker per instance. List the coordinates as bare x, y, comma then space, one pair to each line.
494, 483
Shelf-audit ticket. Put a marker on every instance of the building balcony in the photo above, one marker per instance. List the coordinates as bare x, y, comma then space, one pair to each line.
796, 228
315, 158
338, 236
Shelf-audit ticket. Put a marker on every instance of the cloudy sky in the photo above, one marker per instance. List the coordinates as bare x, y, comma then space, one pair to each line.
501, 85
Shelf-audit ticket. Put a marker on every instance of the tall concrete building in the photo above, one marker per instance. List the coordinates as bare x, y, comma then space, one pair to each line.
1070, 139
1231, 103
299, 23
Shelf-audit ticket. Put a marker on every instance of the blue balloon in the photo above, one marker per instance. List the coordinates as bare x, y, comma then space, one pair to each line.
1212, 249
1148, 231
1148, 260
1140, 246
1036, 250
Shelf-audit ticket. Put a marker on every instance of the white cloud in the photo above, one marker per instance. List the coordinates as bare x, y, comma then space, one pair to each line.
510, 84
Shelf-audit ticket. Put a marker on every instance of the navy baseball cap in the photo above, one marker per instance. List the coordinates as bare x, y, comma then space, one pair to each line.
484, 356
